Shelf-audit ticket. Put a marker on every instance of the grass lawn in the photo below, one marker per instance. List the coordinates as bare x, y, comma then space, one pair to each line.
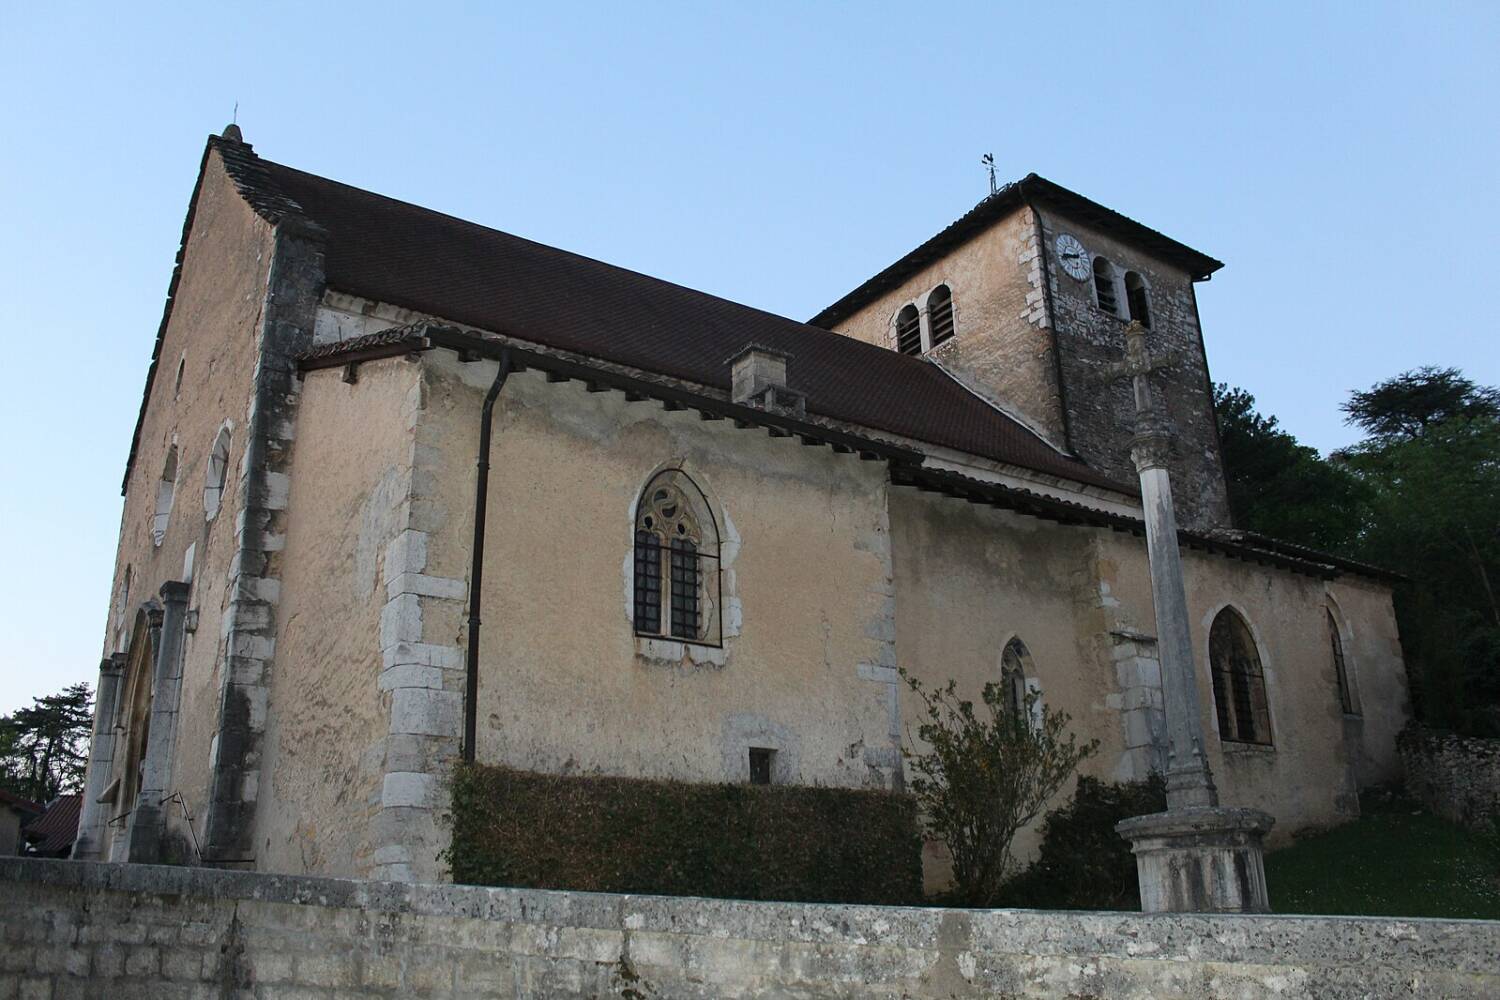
1393, 861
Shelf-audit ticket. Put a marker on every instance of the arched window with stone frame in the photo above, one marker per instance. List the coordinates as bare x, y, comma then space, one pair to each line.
1138, 298
676, 565
1239, 681
1341, 667
1104, 286
1017, 677
939, 315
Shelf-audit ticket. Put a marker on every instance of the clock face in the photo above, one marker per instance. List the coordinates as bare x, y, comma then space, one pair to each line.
1074, 258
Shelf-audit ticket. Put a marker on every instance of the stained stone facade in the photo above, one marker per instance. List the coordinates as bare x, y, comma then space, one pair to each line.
289, 656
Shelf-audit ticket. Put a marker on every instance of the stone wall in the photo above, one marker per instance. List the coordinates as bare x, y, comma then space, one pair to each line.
1457, 777
74, 929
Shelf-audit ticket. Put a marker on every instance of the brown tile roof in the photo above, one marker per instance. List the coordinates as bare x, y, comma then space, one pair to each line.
53, 834
412, 257
1031, 189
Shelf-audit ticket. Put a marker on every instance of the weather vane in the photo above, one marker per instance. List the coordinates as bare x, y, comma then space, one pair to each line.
988, 159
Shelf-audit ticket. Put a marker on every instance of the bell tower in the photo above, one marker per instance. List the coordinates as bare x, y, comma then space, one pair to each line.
1025, 301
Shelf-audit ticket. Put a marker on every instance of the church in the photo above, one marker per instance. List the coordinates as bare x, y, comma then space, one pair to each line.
405, 489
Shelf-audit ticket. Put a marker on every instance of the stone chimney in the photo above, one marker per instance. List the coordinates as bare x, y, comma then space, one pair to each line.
758, 378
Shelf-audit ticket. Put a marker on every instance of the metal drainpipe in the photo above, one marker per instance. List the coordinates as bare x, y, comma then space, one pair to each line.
476, 567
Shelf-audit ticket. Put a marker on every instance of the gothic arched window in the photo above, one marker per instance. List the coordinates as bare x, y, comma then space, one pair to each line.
676, 561
1104, 286
939, 315
1014, 662
1239, 682
1340, 667
909, 331
1137, 298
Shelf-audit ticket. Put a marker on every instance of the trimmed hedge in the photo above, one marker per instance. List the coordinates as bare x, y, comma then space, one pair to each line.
602, 834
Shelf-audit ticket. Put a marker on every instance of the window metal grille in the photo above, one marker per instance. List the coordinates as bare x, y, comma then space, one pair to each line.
909, 331
676, 563
1346, 696
1137, 299
940, 314
647, 583
1239, 682
1104, 286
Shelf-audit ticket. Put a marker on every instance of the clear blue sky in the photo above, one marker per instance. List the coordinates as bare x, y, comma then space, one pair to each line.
1343, 161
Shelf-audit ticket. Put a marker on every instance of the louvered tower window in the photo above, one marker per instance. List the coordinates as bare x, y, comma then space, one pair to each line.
1104, 286
940, 314
909, 331
1137, 298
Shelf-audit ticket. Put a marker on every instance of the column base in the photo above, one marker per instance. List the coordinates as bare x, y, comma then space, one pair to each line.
1200, 860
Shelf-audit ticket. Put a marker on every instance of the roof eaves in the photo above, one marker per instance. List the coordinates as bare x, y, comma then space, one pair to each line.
1236, 545
423, 336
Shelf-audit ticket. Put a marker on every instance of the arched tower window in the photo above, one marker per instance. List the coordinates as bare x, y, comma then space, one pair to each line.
1104, 286
1014, 664
1239, 682
1138, 298
676, 561
940, 314
1340, 666
214, 475
166, 488
909, 331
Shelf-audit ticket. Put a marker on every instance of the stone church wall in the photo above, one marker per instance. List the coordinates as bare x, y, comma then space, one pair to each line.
213, 334
77, 929
322, 773
1309, 776
565, 684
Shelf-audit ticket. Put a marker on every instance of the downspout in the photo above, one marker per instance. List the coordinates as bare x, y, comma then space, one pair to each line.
1057, 369
476, 567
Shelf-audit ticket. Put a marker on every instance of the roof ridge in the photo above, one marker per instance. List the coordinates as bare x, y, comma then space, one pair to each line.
260, 163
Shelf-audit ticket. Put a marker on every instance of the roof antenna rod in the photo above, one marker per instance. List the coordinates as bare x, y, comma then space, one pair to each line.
988, 159
235, 120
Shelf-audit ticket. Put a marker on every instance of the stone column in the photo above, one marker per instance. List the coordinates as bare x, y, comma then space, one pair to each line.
90, 845
1195, 857
148, 820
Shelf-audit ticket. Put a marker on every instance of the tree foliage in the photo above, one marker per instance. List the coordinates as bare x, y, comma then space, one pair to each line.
1432, 466
979, 776
1421, 495
1414, 402
44, 748
1281, 488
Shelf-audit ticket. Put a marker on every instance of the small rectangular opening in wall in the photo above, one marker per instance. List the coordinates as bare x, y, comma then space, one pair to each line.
760, 765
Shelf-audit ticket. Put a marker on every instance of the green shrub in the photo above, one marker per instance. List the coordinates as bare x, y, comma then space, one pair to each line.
1083, 864
603, 834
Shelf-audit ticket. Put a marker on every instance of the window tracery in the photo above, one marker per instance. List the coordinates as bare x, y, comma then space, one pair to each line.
676, 562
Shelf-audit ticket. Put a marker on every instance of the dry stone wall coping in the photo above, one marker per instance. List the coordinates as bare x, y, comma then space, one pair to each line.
162, 931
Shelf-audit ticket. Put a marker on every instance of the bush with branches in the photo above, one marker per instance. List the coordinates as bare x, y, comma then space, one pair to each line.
980, 775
